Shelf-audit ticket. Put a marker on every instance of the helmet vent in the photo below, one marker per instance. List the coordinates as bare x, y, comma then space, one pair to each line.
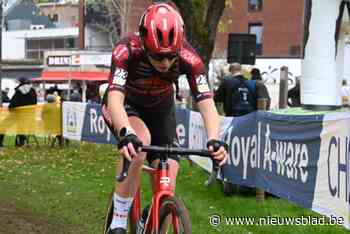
171, 36
160, 37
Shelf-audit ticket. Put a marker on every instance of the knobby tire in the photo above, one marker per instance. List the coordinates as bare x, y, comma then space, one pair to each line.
174, 206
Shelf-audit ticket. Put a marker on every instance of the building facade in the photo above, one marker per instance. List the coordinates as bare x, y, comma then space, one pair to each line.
278, 25
62, 14
32, 29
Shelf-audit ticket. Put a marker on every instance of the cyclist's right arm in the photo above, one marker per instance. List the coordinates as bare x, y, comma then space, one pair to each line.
117, 111
120, 120
116, 94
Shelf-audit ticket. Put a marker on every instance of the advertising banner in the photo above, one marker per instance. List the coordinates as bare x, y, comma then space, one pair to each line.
302, 158
94, 128
332, 188
289, 153
73, 120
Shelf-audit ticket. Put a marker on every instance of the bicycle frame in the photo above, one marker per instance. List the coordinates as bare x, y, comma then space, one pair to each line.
162, 189
161, 183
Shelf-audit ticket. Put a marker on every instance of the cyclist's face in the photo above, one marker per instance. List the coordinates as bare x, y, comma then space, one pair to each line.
162, 63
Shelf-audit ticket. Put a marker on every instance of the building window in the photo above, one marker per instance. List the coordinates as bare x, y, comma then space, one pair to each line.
70, 43
255, 5
74, 20
294, 50
54, 17
257, 29
35, 48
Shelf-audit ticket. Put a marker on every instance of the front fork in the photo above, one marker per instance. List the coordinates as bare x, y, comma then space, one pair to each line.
163, 188
136, 208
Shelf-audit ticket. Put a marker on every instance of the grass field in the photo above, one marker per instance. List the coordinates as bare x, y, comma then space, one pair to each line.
69, 188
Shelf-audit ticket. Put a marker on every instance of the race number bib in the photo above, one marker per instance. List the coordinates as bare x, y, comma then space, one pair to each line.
202, 84
119, 77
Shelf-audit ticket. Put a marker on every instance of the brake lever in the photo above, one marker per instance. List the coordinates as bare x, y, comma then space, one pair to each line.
213, 175
124, 173
214, 171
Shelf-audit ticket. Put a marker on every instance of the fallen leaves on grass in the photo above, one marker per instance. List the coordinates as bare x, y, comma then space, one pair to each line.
19, 162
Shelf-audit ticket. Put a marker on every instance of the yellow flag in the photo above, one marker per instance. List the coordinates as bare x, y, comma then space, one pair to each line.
41, 119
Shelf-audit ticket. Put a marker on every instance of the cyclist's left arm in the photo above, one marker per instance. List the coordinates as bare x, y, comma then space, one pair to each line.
210, 116
212, 124
197, 79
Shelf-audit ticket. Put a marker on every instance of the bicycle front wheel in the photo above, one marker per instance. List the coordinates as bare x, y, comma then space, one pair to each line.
173, 217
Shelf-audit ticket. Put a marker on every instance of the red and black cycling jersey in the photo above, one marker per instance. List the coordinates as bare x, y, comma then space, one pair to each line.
132, 73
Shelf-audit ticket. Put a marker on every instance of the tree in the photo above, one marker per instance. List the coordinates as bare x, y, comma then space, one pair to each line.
1, 25
122, 8
201, 18
109, 16
201, 21
43, 1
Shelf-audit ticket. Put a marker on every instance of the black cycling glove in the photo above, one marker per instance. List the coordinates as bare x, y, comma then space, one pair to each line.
217, 144
130, 138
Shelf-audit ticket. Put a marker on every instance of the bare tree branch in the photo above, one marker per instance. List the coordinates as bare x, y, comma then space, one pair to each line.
113, 17
201, 21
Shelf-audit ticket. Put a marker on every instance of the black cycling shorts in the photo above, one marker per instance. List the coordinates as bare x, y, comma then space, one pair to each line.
161, 124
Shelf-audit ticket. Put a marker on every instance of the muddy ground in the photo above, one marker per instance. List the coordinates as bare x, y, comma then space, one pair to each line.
19, 221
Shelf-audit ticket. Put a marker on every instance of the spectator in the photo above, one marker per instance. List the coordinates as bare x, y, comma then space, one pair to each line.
294, 95
345, 93
177, 92
102, 91
5, 99
24, 95
51, 98
75, 96
53, 89
7, 91
240, 95
47, 111
255, 73
2, 136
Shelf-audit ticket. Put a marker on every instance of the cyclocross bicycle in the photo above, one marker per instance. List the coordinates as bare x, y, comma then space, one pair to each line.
166, 214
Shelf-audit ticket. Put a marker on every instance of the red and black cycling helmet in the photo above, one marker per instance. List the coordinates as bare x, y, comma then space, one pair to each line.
161, 28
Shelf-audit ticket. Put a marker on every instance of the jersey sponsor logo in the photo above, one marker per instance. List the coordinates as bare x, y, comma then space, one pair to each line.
119, 77
189, 57
202, 84
165, 180
121, 52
